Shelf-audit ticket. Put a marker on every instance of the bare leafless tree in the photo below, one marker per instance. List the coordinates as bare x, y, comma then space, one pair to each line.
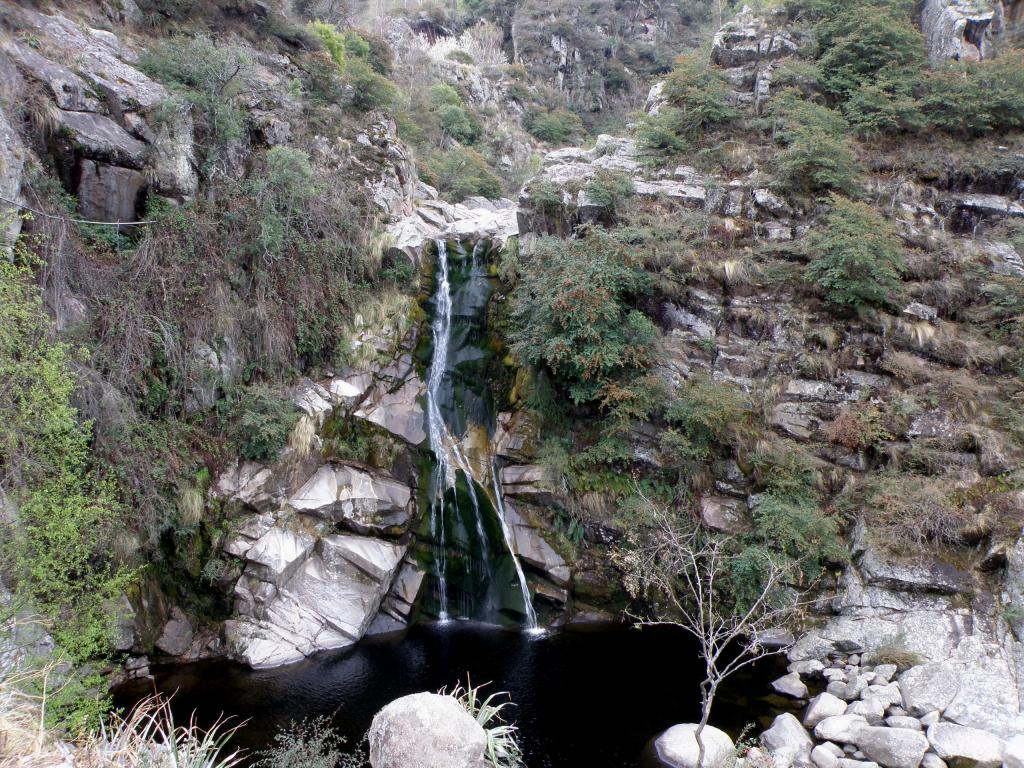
683, 570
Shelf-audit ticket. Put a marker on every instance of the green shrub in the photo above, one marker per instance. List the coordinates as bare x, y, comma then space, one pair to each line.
460, 173
459, 55
363, 62
553, 126
817, 155
370, 89
705, 417
333, 41
312, 743
57, 552
856, 256
209, 77
700, 97
885, 105
257, 422
864, 40
571, 314
788, 519
457, 123
609, 188
281, 193
660, 132
976, 98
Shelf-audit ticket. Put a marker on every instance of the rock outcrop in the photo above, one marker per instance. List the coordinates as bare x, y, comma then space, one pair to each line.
962, 30
475, 218
105, 138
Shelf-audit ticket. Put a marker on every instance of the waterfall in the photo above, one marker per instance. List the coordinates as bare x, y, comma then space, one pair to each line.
437, 431
452, 473
531, 614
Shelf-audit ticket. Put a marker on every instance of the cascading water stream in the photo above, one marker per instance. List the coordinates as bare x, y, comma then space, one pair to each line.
451, 464
531, 614
444, 473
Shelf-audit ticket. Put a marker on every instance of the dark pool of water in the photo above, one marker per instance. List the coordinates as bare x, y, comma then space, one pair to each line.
582, 698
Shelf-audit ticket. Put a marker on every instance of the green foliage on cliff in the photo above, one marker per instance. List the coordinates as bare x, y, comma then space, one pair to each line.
553, 126
700, 95
699, 105
788, 519
706, 419
459, 173
364, 63
865, 41
817, 155
257, 422
856, 257
572, 314
56, 548
205, 77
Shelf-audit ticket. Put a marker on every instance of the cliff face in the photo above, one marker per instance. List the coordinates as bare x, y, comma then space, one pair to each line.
307, 546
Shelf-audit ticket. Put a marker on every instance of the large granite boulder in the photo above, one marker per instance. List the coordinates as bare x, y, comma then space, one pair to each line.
426, 730
975, 687
533, 549
788, 742
301, 598
677, 747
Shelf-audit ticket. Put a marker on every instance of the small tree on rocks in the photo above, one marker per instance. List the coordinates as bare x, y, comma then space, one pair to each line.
686, 573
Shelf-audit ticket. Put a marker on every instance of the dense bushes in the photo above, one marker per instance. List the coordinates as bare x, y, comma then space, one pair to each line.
59, 555
872, 63
460, 172
788, 518
257, 422
698, 103
706, 419
208, 77
865, 41
817, 155
363, 62
856, 257
572, 314
701, 97
553, 126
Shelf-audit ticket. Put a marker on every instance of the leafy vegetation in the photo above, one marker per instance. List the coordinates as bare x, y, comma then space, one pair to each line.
817, 155
257, 422
502, 749
312, 743
58, 555
553, 126
207, 79
856, 257
572, 314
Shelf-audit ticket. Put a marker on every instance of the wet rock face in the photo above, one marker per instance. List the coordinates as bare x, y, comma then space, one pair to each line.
426, 730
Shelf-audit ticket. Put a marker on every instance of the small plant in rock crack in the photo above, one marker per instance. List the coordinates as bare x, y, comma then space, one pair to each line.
502, 749
569, 524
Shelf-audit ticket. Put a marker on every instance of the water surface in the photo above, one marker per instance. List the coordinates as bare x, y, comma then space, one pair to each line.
582, 698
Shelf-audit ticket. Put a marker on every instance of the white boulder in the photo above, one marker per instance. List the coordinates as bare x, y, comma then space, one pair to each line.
426, 730
677, 747
962, 745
